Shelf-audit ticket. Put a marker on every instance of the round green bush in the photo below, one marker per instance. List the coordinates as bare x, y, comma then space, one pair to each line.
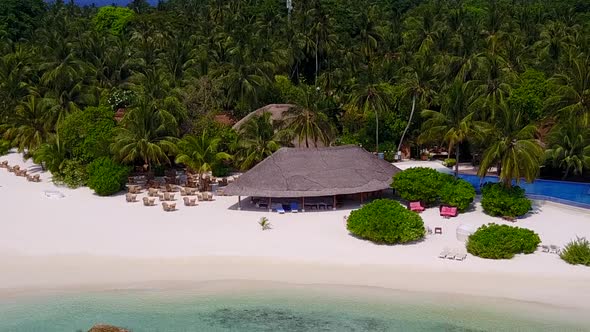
450, 162
106, 177
459, 193
4, 147
420, 184
577, 252
386, 221
497, 200
502, 241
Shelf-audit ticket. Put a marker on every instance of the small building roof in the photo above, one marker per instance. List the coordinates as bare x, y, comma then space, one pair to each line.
303, 172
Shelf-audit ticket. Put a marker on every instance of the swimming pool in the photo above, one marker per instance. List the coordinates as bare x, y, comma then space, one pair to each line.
571, 193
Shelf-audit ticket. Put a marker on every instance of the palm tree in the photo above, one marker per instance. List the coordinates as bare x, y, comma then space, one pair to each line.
371, 98
513, 147
454, 124
569, 147
52, 154
145, 134
258, 139
200, 153
29, 126
572, 98
307, 121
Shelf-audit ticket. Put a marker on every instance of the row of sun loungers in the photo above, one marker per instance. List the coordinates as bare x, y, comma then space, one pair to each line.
551, 249
454, 254
20, 172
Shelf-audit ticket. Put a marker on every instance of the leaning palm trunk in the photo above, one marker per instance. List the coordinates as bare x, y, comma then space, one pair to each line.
457, 161
401, 141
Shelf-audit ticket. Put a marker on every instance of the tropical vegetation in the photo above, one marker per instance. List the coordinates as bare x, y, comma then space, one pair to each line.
502, 241
577, 252
501, 201
504, 84
386, 221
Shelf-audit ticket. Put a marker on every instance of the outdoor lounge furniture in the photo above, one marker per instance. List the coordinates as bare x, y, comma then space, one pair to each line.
189, 201
545, 248
22, 173
437, 230
294, 207
168, 207
553, 249
149, 201
34, 178
416, 206
452, 254
448, 211
459, 256
130, 198
444, 253
278, 207
152, 192
428, 230
4, 164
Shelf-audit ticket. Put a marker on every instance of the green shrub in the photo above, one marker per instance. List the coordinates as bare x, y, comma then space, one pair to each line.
502, 241
459, 193
72, 173
87, 134
450, 162
420, 184
4, 147
577, 252
220, 170
386, 221
106, 177
498, 200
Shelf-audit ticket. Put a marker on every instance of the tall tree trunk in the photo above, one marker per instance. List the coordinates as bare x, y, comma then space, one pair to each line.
377, 132
316, 58
457, 163
401, 141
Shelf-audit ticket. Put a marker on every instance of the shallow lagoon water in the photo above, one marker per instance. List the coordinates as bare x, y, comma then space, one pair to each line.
260, 306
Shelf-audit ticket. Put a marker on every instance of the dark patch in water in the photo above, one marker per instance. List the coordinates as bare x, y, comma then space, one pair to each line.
279, 319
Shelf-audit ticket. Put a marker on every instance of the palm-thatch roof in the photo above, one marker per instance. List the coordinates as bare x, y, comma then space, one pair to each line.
276, 114
300, 172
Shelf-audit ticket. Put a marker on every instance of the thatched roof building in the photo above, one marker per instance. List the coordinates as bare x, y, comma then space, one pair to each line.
300, 172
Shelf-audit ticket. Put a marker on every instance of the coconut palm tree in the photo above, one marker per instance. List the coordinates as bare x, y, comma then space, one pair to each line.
454, 124
200, 153
513, 147
146, 134
572, 97
307, 121
371, 98
51, 155
29, 126
569, 147
258, 139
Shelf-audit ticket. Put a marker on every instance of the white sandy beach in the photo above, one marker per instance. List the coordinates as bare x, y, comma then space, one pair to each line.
83, 240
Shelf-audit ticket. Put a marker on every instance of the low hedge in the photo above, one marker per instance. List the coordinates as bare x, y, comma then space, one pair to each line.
502, 241
497, 200
386, 221
106, 177
4, 147
459, 193
577, 252
419, 184
450, 162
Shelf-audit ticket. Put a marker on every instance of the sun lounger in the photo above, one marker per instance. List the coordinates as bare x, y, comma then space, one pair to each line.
294, 207
428, 230
459, 256
553, 249
544, 248
279, 208
416, 206
448, 211
451, 254
36, 178
444, 253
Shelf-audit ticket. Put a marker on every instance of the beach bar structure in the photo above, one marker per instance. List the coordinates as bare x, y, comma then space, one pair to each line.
304, 173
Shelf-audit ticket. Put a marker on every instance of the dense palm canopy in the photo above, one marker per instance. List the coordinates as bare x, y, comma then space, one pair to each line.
359, 72
200, 153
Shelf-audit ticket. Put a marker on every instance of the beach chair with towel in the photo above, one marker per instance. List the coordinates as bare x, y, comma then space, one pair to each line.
448, 211
416, 206
278, 207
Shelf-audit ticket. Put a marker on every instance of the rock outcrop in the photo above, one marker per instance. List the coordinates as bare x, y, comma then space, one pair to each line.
107, 328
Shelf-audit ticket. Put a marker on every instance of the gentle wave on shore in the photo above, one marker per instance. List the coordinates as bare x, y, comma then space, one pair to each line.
262, 306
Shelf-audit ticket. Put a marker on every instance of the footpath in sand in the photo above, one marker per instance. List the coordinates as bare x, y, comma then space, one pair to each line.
83, 240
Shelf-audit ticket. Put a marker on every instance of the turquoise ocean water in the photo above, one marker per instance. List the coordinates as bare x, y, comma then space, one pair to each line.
230, 306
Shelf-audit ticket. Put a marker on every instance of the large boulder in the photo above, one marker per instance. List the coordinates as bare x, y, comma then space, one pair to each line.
106, 328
